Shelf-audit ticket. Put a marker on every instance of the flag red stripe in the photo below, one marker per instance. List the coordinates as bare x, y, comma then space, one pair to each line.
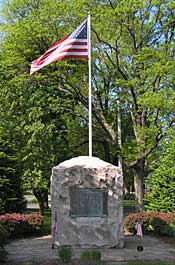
44, 58
77, 43
68, 43
62, 57
72, 49
71, 56
55, 45
36, 66
72, 46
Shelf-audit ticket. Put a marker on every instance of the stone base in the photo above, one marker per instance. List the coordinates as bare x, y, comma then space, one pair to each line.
87, 231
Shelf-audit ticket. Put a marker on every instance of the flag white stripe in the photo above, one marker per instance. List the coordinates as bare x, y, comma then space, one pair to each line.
70, 46
73, 46
57, 54
72, 53
76, 40
66, 42
48, 60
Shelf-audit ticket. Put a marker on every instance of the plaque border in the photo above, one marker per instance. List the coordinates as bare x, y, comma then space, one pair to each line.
104, 203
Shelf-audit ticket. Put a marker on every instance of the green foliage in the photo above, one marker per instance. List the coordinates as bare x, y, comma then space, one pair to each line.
171, 230
3, 235
151, 263
3, 255
46, 228
161, 197
36, 110
132, 59
12, 197
65, 254
91, 255
152, 222
3, 238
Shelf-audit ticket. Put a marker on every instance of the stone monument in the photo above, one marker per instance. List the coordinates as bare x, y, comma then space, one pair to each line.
87, 203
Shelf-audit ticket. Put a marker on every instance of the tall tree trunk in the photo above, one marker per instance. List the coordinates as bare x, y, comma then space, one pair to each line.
139, 174
41, 206
39, 194
106, 151
46, 200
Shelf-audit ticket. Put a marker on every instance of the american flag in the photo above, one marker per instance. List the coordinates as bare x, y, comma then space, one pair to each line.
73, 46
138, 228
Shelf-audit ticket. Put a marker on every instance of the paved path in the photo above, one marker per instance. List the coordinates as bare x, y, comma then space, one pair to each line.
40, 249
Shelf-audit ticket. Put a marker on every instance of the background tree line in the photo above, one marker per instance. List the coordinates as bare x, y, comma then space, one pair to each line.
44, 118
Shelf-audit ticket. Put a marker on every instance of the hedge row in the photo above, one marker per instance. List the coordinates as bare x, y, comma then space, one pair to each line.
152, 222
3, 238
19, 225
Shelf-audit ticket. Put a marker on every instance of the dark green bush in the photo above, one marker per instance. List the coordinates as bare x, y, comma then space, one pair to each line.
91, 255
65, 254
169, 230
3, 238
158, 225
3, 255
12, 196
154, 222
161, 196
3, 235
19, 225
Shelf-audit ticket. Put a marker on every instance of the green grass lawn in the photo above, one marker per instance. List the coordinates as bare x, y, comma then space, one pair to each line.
151, 263
47, 221
129, 206
129, 203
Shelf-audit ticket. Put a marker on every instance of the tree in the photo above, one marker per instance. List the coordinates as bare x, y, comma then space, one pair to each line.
12, 197
11, 189
136, 46
161, 197
46, 141
142, 54
133, 59
36, 110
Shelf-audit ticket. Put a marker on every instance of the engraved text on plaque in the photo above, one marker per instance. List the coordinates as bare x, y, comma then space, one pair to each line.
88, 202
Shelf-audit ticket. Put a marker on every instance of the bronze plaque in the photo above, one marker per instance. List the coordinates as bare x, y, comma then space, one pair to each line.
87, 202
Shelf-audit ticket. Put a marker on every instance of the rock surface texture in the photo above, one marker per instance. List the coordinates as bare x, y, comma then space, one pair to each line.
92, 175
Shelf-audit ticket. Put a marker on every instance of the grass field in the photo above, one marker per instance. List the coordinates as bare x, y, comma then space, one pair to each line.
151, 263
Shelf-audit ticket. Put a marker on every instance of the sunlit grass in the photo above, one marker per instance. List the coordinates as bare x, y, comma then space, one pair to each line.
151, 263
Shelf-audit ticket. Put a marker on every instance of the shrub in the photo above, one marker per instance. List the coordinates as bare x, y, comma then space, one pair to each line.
12, 197
3, 255
91, 255
3, 238
156, 222
3, 235
21, 224
65, 254
161, 197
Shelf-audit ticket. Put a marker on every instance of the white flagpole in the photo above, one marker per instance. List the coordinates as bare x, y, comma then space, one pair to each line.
119, 133
90, 90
